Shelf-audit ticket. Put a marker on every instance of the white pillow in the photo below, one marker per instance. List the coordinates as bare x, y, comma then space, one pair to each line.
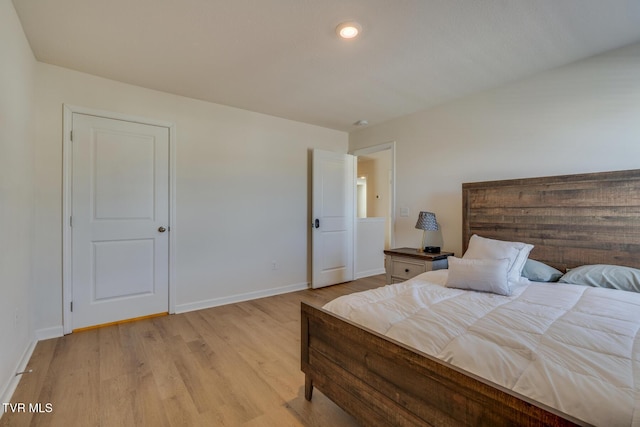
516, 252
484, 275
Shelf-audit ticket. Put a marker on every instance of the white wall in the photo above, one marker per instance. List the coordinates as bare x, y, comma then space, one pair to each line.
369, 247
242, 190
17, 74
584, 117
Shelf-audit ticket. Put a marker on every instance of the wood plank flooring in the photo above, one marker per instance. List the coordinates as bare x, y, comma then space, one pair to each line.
234, 365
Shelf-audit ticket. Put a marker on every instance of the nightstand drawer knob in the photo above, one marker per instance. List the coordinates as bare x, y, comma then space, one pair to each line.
406, 270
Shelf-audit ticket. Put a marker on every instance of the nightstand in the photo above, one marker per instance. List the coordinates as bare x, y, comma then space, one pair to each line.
404, 263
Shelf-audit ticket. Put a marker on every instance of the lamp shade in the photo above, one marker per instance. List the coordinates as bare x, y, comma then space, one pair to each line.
427, 222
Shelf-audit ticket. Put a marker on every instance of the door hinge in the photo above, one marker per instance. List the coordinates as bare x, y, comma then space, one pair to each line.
71, 306
70, 221
71, 135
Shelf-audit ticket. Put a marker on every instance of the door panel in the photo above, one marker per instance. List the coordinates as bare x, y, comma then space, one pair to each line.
120, 199
123, 176
333, 207
122, 268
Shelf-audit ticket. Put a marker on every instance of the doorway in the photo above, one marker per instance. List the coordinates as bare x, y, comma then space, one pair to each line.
376, 199
375, 206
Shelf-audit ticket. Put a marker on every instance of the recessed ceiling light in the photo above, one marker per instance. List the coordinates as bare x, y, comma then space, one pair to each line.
348, 30
361, 122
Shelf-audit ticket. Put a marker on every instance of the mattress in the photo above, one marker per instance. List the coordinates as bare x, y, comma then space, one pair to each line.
574, 348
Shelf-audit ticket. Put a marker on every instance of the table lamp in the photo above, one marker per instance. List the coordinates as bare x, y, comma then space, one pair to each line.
427, 222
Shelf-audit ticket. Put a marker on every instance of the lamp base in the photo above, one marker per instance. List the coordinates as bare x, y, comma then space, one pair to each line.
432, 249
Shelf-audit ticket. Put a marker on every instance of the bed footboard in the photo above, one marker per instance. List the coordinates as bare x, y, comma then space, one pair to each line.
382, 382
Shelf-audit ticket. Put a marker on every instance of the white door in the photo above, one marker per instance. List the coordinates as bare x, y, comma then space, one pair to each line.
333, 218
119, 224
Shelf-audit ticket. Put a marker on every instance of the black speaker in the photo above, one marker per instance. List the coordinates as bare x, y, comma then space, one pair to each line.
432, 249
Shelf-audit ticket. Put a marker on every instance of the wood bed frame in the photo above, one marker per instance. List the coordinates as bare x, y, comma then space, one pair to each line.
571, 219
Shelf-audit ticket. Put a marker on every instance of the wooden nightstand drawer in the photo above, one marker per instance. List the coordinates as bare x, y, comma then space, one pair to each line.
405, 269
404, 263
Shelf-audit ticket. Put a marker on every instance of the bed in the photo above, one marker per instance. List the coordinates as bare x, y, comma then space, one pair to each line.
571, 220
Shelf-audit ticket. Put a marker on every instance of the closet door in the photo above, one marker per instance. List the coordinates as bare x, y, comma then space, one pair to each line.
119, 223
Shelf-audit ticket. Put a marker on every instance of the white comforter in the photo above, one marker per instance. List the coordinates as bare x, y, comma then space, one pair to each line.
571, 347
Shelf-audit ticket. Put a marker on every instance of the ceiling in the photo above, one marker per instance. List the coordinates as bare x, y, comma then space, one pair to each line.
283, 58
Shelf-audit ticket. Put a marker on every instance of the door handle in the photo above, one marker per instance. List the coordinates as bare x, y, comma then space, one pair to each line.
316, 223
161, 229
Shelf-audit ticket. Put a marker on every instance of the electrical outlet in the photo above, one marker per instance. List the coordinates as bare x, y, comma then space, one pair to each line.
274, 265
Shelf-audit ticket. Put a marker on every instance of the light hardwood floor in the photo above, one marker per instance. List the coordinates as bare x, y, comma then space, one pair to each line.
235, 365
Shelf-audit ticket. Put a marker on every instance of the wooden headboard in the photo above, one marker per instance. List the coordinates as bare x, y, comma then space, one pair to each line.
571, 219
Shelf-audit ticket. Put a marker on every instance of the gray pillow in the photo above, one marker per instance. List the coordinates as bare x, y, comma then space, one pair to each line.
604, 276
537, 271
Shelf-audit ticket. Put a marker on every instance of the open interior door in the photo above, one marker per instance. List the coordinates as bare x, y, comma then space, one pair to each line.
333, 218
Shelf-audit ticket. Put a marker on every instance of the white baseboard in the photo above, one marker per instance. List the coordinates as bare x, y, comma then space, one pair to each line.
368, 273
10, 386
48, 333
215, 302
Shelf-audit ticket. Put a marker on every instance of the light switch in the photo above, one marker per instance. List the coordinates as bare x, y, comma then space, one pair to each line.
404, 211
